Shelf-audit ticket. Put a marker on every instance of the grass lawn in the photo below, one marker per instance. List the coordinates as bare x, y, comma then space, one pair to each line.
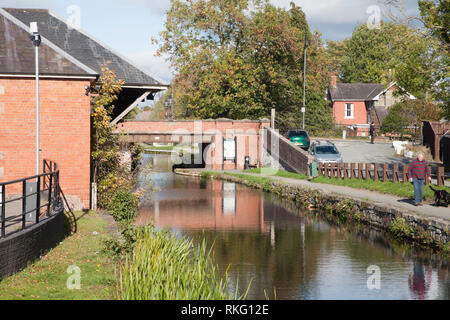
404, 190
168, 148
47, 277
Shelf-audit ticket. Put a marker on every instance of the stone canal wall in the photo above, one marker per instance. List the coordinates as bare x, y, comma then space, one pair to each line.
425, 231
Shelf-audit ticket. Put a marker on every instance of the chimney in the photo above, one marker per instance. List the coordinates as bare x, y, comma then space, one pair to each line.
333, 81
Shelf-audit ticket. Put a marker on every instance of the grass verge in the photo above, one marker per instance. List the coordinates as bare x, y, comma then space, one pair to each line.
46, 278
403, 190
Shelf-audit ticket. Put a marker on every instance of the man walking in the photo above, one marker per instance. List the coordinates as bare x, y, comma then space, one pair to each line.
372, 132
418, 171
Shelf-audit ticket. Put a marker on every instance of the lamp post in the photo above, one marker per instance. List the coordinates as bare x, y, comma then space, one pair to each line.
36, 39
304, 79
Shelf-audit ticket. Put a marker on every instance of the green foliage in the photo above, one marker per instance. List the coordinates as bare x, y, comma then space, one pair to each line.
239, 59
436, 16
391, 53
400, 229
165, 267
124, 205
403, 116
108, 171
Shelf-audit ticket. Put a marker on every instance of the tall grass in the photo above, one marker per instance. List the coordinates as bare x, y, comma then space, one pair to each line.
164, 267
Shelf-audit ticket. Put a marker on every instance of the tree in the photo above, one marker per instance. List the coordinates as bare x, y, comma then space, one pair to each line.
436, 17
240, 58
405, 116
391, 53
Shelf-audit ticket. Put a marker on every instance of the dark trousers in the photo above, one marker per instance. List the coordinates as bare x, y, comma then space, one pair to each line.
372, 138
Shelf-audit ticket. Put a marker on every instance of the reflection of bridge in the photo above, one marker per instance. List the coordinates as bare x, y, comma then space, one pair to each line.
249, 138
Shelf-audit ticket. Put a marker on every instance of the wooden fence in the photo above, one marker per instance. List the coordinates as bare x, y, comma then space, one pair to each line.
371, 171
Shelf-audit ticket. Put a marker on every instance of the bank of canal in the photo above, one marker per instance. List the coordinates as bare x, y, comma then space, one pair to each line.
262, 238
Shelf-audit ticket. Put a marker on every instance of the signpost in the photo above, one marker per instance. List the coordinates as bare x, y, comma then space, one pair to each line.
229, 151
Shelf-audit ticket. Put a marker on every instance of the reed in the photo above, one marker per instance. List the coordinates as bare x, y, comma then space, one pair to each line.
166, 267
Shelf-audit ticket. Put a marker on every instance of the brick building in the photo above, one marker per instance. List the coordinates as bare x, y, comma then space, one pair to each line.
70, 62
356, 105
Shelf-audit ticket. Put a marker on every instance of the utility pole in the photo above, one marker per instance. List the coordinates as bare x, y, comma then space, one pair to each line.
304, 79
36, 39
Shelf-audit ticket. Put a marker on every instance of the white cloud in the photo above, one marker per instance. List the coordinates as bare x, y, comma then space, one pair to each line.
158, 67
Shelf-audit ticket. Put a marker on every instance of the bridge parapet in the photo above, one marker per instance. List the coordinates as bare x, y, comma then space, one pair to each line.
289, 155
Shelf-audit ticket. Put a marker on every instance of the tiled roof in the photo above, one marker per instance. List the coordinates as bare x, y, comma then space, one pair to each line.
17, 55
355, 91
83, 47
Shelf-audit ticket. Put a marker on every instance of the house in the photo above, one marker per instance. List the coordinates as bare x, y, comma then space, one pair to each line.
356, 105
70, 61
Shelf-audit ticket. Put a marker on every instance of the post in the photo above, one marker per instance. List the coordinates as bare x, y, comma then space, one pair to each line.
440, 177
375, 171
3, 210
49, 194
272, 119
368, 166
332, 167
24, 203
352, 170
360, 171
405, 175
338, 175
385, 173
37, 108
304, 80
320, 165
345, 170
38, 199
395, 173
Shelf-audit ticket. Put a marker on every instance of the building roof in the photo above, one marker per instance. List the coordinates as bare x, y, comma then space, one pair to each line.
84, 47
355, 91
381, 113
17, 57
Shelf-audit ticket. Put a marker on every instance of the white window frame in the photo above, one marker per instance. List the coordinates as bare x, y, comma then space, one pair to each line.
352, 111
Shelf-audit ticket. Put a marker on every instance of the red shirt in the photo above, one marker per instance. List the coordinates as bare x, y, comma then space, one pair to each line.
418, 169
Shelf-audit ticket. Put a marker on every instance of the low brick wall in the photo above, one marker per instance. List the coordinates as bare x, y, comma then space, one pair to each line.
22, 248
290, 156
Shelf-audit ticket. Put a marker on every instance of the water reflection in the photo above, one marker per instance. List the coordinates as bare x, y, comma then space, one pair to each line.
269, 242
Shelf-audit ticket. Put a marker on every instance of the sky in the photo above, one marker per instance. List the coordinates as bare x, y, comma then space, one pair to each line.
129, 25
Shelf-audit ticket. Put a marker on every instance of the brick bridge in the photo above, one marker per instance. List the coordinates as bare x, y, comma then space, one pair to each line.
224, 143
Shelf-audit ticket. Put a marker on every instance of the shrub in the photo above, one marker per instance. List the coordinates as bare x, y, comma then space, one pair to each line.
400, 229
124, 205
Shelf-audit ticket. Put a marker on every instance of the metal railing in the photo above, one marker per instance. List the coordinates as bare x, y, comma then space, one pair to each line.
27, 201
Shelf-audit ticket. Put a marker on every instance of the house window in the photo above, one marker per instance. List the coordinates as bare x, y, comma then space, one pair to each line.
349, 111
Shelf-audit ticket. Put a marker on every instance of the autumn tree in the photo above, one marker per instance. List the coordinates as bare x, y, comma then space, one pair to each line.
240, 58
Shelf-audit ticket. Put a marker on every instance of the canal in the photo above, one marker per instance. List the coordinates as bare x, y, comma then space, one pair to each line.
284, 251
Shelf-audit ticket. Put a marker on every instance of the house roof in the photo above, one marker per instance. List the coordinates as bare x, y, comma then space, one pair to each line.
355, 91
381, 113
84, 47
17, 57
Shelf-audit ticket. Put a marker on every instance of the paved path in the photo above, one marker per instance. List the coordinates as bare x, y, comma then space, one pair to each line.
361, 194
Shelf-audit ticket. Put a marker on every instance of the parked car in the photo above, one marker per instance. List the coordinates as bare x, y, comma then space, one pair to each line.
300, 138
325, 151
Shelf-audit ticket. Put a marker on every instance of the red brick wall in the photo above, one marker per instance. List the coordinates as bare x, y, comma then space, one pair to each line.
64, 131
360, 113
248, 133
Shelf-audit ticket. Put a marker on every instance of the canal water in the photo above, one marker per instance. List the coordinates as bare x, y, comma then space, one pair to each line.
281, 250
